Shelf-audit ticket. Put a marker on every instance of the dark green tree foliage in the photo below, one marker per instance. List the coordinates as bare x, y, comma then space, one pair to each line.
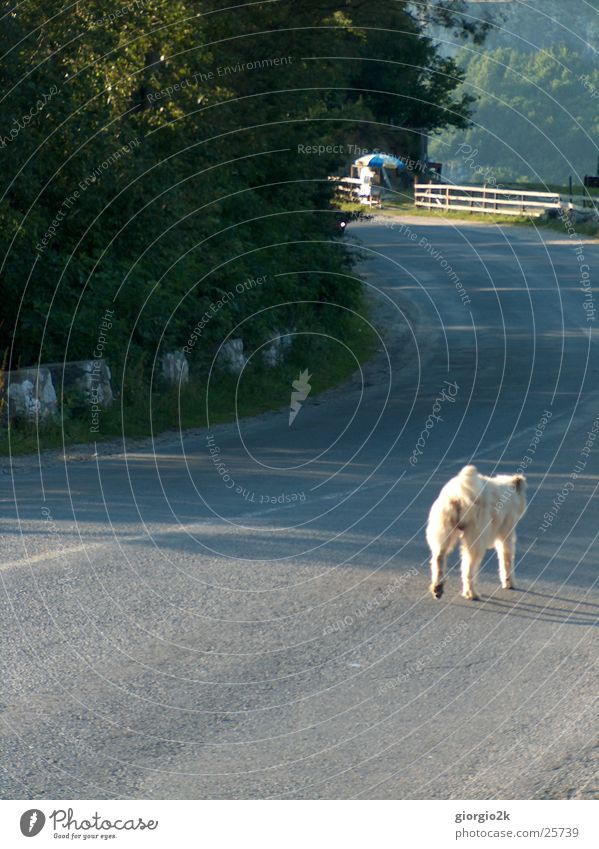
152, 160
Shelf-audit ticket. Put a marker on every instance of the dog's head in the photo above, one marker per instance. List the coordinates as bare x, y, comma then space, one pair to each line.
519, 482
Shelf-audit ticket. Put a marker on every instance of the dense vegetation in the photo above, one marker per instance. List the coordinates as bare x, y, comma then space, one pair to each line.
165, 185
151, 162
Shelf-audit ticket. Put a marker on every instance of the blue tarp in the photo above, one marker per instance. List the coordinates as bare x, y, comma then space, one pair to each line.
380, 160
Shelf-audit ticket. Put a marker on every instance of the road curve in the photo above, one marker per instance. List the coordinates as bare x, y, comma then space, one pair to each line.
244, 613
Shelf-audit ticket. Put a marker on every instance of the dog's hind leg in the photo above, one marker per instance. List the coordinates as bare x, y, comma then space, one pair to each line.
506, 549
440, 553
471, 558
437, 573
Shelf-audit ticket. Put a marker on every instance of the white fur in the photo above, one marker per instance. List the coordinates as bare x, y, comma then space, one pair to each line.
482, 513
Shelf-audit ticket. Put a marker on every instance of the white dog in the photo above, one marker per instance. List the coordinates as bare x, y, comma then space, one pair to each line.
482, 513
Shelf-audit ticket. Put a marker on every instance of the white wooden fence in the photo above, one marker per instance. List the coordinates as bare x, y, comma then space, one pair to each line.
484, 199
349, 188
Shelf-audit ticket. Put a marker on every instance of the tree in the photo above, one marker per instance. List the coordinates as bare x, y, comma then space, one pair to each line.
158, 158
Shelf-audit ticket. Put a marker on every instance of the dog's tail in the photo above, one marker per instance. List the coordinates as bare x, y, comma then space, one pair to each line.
468, 474
449, 511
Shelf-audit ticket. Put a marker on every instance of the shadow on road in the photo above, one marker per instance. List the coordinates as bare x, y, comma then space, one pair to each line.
570, 612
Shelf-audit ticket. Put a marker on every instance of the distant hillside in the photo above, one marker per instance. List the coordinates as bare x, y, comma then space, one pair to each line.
537, 23
537, 84
543, 23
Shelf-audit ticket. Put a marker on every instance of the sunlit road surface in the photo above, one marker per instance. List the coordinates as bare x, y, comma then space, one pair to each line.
168, 635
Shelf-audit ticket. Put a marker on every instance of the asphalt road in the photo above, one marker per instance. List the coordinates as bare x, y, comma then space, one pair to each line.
166, 636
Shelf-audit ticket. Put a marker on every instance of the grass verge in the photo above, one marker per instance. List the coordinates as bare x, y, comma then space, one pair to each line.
142, 410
